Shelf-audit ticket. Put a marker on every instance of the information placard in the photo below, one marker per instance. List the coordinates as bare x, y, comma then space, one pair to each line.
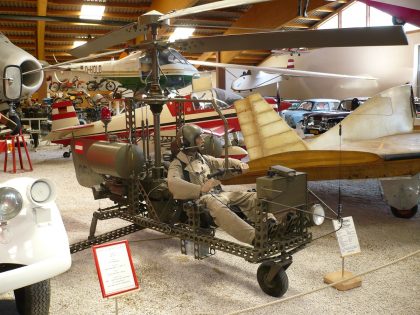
347, 237
115, 268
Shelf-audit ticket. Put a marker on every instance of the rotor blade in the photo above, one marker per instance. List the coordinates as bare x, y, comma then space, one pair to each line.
110, 39
209, 7
343, 37
76, 60
282, 71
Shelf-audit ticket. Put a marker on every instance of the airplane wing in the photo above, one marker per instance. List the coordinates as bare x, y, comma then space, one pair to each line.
377, 140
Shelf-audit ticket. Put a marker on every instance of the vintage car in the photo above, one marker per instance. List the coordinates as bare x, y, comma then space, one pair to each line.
294, 117
33, 242
294, 105
320, 122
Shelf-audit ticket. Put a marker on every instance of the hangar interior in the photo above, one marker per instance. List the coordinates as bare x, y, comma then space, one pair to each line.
108, 169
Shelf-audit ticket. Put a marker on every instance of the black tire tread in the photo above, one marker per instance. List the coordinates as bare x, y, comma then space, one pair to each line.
34, 299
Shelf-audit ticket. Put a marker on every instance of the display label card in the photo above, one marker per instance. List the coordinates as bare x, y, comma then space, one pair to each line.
115, 268
347, 237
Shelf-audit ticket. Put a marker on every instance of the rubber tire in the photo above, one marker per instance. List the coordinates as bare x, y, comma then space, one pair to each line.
110, 86
278, 286
405, 214
91, 86
66, 155
34, 299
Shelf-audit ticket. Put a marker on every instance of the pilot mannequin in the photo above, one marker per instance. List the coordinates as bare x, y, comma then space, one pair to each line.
189, 162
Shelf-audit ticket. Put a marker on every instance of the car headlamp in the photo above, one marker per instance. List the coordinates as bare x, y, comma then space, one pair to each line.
318, 214
11, 203
41, 192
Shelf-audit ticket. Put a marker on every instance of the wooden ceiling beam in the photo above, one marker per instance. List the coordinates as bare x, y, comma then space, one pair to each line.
75, 31
40, 29
299, 26
111, 15
108, 4
5, 29
17, 38
12, 10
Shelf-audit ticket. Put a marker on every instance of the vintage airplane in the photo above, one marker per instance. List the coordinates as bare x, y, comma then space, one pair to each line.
66, 127
401, 11
378, 140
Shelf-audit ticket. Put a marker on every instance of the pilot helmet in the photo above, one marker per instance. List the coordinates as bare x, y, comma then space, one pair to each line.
187, 136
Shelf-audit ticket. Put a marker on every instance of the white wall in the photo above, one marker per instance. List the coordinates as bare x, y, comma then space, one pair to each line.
391, 65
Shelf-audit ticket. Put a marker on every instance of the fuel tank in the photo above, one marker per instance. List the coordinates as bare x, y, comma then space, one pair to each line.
115, 158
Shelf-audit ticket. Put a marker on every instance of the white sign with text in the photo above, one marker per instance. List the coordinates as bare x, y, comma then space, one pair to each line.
115, 268
347, 236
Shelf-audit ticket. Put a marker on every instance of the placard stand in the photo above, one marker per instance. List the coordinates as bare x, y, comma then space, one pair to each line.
115, 270
349, 245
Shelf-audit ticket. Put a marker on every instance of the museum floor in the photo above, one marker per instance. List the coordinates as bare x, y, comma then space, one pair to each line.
172, 283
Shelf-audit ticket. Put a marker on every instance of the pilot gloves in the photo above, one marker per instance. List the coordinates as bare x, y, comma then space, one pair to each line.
208, 185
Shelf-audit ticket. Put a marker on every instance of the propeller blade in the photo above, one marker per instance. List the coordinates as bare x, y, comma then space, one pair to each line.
343, 37
208, 7
110, 39
282, 71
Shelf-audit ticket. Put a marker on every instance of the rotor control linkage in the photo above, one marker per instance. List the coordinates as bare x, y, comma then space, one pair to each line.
223, 171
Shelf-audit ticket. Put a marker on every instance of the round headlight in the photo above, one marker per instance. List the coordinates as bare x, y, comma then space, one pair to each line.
42, 191
10, 203
318, 214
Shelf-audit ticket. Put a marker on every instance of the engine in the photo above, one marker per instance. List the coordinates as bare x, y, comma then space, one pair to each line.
13, 55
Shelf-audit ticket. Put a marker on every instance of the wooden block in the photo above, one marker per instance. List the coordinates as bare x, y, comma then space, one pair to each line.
343, 286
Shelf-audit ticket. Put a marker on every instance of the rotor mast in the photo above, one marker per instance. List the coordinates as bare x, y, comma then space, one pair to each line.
155, 98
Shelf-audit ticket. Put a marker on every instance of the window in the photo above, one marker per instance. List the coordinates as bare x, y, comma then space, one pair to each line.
331, 23
379, 18
354, 15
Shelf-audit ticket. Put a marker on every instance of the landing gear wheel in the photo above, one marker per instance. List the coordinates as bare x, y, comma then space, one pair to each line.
278, 285
110, 86
33, 299
404, 214
66, 155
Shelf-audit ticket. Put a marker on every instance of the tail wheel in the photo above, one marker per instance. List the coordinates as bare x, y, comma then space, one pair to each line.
404, 214
110, 86
278, 284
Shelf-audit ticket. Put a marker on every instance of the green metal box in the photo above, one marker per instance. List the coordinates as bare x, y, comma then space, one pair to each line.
283, 189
